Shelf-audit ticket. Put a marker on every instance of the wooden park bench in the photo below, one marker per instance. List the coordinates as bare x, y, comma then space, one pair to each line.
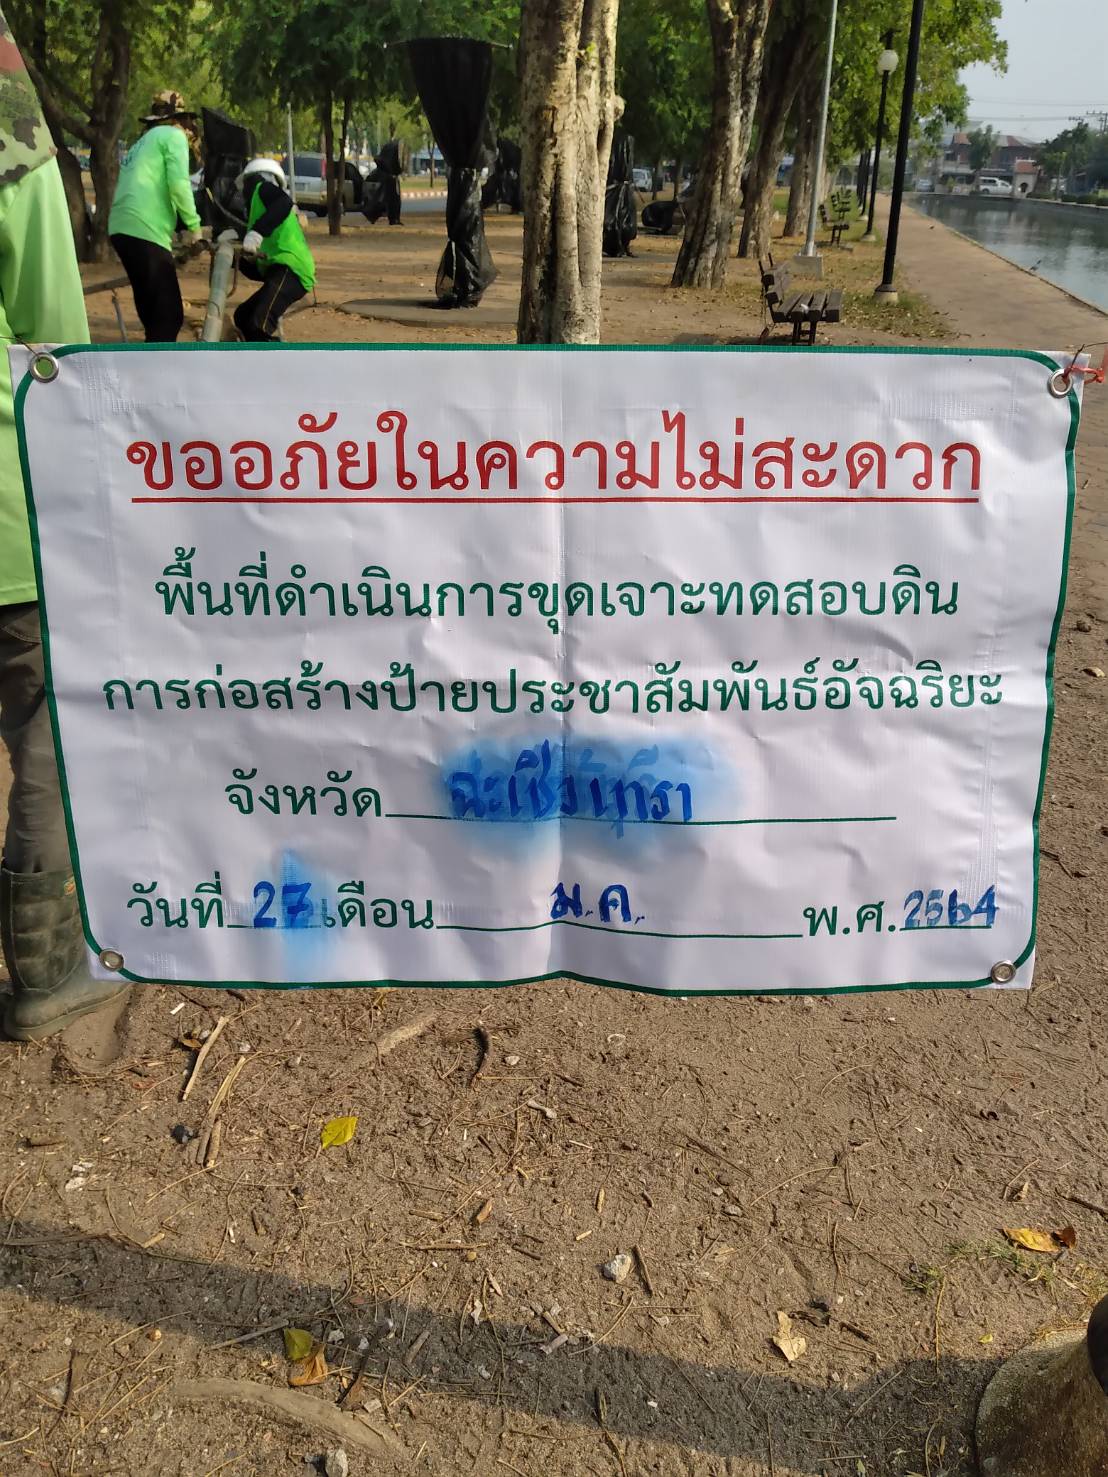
838, 218
802, 307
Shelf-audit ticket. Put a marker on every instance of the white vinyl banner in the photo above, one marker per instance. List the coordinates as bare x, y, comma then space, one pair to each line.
681, 670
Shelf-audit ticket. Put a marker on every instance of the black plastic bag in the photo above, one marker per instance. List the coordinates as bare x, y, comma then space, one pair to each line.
620, 216
504, 185
381, 195
228, 148
453, 76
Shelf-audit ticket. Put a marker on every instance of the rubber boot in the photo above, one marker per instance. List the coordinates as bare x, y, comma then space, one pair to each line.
44, 949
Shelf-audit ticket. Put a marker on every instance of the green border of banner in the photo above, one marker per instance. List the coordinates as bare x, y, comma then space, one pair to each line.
894, 350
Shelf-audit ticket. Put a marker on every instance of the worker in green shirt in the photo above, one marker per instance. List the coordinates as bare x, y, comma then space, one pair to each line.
153, 193
40, 302
274, 252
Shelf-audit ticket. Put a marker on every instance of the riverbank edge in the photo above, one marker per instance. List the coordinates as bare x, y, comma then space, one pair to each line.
1008, 262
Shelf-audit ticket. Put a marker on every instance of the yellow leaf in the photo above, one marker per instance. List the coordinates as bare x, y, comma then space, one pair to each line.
298, 1343
792, 1345
1032, 1240
311, 1371
337, 1131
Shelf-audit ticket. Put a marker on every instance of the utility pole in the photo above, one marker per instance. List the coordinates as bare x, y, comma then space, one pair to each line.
292, 156
809, 253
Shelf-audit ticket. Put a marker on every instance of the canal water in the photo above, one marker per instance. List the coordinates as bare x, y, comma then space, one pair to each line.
1065, 244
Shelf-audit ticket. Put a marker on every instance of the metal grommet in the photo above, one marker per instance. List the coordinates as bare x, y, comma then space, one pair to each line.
111, 959
1003, 972
44, 367
1059, 384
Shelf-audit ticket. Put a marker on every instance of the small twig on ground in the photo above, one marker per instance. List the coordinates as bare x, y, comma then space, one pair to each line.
222, 1092
622, 1314
202, 1056
388, 1042
1087, 1205
211, 1153
871, 1396
254, 1333
644, 1270
819, 1169
610, 1441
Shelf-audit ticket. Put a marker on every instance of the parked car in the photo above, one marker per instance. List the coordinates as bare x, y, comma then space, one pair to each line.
310, 175
991, 184
924, 185
643, 179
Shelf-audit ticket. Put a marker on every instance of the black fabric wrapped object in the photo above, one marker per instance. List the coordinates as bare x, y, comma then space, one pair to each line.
453, 76
381, 195
620, 218
228, 148
504, 185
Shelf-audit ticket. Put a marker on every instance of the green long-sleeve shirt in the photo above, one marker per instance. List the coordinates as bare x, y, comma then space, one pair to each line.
40, 302
154, 188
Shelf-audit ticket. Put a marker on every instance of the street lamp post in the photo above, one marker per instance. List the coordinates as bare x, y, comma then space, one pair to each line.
886, 289
886, 65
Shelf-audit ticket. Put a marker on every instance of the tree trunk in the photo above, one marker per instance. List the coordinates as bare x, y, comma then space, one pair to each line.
678, 164
1045, 1412
431, 163
569, 110
111, 79
336, 173
79, 219
97, 121
738, 30
806, 125
784, 69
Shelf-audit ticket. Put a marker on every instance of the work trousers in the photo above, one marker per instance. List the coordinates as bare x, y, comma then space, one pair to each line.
36, 839
154, 283
257, 318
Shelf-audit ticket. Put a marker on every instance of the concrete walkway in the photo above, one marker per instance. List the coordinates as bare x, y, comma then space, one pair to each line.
996, 304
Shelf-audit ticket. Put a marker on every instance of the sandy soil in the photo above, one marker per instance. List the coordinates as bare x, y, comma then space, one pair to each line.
847, 1161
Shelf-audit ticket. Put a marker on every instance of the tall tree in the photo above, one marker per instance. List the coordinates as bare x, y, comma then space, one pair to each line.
804, 125
80, 56
325, 54
569, 109
791, 56
956, 33
738, 29
664, 68
982, 142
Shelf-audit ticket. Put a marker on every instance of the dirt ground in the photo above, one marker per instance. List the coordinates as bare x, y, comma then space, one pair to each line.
846, 1161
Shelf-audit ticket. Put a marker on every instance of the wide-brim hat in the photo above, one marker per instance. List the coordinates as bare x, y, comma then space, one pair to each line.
167, 106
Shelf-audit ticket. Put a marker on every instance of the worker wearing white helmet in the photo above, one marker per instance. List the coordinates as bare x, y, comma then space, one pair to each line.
274, 252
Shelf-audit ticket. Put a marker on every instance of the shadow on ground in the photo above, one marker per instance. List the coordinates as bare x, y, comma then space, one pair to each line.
731, 1413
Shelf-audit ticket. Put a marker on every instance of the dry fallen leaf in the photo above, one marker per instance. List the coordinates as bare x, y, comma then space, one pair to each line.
1029, 1239
1067, 1236
337, 1131
298, 1343
310, 1371
792, 1345
483, 1214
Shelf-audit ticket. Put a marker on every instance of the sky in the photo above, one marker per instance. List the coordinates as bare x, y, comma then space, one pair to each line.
1057, 67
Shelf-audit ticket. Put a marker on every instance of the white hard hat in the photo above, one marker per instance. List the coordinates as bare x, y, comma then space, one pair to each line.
268, 167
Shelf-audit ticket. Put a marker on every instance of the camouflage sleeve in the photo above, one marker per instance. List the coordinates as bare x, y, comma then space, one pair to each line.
25, 141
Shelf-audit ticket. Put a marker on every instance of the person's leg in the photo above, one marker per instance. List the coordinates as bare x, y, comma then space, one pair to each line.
35, 840
153, 276
257, 318
40, 929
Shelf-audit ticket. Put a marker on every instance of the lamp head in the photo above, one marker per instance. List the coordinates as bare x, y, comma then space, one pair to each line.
887, 61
